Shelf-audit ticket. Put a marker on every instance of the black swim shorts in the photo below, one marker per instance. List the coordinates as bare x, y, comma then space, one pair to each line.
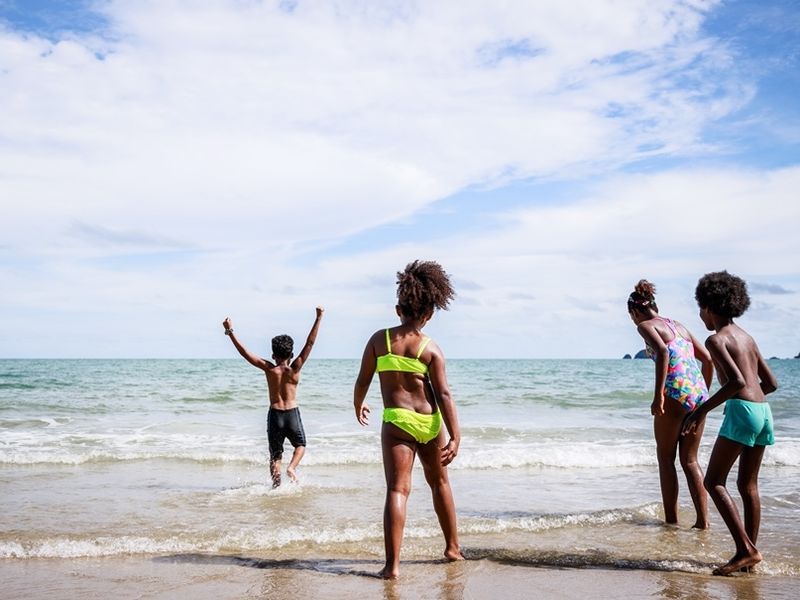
282, 424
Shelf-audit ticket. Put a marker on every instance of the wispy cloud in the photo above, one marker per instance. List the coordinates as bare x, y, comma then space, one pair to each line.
769, 288
104, 236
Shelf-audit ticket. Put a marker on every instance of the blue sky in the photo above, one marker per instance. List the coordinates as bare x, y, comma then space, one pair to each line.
165, 164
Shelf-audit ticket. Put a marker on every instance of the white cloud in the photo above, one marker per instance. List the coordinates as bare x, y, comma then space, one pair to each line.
554, 281
242, 111
198, 159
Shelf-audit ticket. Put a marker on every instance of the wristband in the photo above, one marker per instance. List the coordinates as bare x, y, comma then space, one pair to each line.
228, 331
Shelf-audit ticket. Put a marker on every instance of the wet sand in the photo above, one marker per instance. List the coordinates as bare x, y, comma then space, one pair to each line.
219, 576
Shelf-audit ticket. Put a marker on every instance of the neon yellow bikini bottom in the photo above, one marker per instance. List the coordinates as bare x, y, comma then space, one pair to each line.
422, 428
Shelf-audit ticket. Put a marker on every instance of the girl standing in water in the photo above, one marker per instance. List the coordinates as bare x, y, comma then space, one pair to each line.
416, 400
680, 388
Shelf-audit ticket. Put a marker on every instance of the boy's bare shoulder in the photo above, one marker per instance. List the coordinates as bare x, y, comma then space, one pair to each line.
715, 341
734, 342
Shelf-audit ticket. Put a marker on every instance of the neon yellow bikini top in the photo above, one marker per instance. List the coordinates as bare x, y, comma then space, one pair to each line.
396, 362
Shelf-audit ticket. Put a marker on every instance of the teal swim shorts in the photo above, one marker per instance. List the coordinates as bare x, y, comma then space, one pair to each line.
749, 423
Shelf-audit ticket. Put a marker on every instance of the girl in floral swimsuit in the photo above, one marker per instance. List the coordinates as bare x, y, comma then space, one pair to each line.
680, 387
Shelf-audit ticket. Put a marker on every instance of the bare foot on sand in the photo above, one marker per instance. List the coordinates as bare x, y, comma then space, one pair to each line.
276, 481
738, 563
453, 554
292, 474
699, 524
387, 573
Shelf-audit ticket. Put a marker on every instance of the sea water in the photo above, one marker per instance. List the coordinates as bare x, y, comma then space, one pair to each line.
557, 466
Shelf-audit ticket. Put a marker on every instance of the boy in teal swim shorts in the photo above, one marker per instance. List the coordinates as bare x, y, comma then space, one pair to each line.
747, 427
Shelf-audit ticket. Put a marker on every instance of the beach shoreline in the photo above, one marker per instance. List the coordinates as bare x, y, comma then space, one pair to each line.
150, 479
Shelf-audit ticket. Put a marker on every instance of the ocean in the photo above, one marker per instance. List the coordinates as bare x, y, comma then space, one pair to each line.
168, 458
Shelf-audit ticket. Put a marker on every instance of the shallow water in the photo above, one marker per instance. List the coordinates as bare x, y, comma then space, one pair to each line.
557, 466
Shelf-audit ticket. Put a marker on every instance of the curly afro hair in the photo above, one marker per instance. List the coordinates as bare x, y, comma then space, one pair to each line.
723, 294
642, 297
282, 346
422, 287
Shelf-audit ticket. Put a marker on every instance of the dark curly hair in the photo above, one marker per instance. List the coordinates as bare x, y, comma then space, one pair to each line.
423, 286
642, 297
282, 346
723, 294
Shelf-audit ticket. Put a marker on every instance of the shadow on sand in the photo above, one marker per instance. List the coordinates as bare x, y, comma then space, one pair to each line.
336, 566
591, 559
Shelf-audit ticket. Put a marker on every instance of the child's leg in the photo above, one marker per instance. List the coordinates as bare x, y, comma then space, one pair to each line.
297, 456
722, 458
275, 471
275, 437
747, 482
398, 459
667, 429
297, 436
689, 445
439, 482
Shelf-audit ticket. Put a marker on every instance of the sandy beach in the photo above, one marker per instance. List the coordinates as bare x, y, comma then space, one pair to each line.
216, 576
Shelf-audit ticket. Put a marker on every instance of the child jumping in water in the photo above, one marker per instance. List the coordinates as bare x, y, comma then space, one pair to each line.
747, 427
416, 400
283, 418
679, 389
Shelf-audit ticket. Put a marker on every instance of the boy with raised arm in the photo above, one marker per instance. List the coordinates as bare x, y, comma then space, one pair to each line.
283, 418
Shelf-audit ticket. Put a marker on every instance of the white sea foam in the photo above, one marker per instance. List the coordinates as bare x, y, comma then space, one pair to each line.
250, 539
549, 522
28, 449
62, 547
263, 539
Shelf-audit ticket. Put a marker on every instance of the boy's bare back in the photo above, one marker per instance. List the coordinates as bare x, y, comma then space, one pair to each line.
736, 357
282, 382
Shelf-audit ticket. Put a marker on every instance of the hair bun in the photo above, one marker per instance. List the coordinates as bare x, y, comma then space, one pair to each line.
646, 289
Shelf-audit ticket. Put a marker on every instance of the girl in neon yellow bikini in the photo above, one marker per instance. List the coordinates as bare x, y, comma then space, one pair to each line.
416, 401
680, 387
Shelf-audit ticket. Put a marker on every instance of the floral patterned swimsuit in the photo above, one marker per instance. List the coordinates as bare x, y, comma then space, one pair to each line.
684, 381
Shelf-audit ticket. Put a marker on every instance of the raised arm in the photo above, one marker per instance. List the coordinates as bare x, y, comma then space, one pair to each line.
298, 362
654, 341
254, 360
368, 363
444, 400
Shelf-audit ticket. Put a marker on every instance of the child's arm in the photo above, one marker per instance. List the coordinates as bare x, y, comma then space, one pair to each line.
365, 373
444, 400
254, 360
730, 373
706, 364
298, 362
767, 380
654, 341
